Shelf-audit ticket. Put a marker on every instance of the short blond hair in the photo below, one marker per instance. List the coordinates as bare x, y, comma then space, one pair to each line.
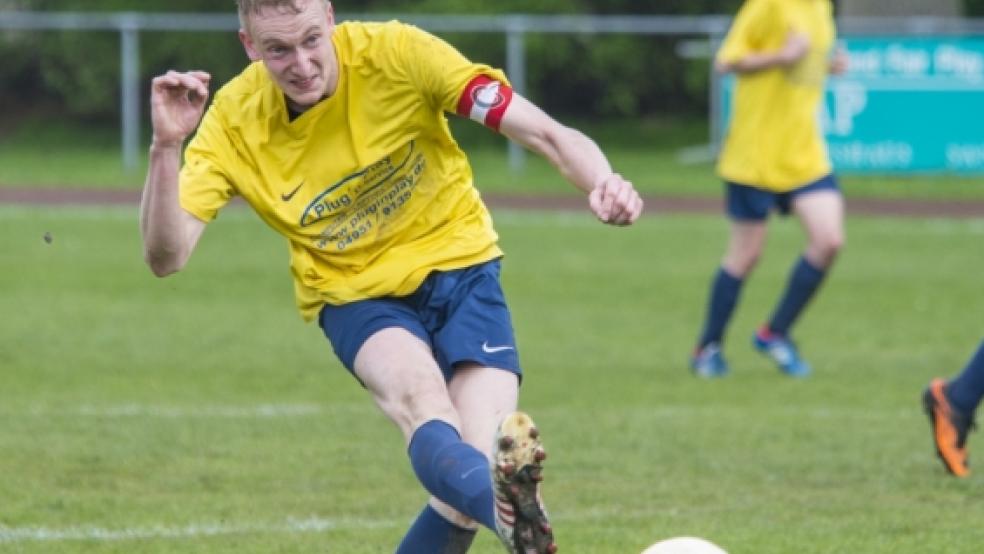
251, 7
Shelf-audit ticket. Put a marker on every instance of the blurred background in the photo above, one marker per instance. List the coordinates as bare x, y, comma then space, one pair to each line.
635, 75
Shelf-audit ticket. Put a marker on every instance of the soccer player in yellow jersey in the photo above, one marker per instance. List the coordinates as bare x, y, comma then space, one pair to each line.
336, 136
774, 157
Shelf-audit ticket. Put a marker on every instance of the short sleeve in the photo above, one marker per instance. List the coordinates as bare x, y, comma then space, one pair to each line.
439, 70
760, 25
204, 182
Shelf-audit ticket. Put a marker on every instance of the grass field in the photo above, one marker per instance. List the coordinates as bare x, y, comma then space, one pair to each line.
198, 414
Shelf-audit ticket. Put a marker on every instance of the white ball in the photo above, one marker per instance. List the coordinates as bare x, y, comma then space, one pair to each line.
684, 545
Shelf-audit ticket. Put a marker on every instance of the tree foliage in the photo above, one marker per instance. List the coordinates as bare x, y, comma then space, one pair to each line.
77, 73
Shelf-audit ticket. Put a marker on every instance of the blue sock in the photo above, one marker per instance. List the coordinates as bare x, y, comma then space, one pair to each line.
803, 283
433, 534
724, 297
453, 471
966, 390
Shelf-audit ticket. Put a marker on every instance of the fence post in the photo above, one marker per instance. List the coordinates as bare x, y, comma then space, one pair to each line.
129, 26
714, 101
516, 69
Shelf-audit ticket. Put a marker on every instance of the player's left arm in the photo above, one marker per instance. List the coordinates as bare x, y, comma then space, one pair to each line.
612, 198
452, 83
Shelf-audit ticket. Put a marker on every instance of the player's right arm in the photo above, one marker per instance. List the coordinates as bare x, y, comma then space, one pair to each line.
611, 198
169, 232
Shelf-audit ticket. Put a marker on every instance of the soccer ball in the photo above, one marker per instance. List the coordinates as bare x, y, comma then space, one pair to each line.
684, 545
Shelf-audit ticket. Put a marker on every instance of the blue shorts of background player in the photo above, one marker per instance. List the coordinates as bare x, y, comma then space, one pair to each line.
748, 203
819, 206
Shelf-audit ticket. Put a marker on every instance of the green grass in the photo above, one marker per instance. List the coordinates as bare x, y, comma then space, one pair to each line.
198, 414
648, 152
57, 153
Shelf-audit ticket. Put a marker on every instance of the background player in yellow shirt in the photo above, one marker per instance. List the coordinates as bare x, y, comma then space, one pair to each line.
336, 136
774, 157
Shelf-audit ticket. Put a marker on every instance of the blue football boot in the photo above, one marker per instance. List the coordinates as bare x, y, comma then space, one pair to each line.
708, 362
782, 351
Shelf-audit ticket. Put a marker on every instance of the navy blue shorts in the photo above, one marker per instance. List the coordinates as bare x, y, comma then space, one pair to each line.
748, 203
461, 314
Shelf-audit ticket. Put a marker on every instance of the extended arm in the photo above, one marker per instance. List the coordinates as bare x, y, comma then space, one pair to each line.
169, 232
612, 199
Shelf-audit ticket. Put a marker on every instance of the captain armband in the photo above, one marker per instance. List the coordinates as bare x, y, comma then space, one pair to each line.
485, 100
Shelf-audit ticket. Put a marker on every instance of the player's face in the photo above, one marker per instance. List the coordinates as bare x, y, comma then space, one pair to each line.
296, 50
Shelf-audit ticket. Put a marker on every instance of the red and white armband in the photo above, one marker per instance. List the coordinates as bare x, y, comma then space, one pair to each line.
485, 100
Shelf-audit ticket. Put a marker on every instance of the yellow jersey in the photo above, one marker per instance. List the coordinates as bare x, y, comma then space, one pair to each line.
368, 186
774, 140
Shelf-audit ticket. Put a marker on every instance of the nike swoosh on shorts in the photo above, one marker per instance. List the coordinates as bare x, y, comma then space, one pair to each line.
493, 349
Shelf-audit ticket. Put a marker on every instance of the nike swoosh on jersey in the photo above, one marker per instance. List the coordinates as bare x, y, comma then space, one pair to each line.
287, 196
493, 349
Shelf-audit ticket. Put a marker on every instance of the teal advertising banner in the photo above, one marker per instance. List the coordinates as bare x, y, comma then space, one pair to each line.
906, 104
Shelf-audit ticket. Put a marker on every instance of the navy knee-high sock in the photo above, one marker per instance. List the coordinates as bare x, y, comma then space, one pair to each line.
803, 283
453, 471
725, 290
966, 390
432, 534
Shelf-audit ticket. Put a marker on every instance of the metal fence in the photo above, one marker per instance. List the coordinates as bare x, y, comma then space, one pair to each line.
514, 28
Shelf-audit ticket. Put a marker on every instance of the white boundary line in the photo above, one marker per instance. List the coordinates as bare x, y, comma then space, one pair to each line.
273, 411
231, 412
101, 534
216, 411
291, 526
